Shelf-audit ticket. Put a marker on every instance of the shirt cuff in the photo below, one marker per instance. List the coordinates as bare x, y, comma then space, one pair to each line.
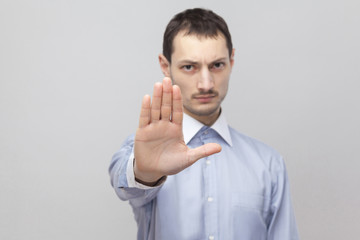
130, 176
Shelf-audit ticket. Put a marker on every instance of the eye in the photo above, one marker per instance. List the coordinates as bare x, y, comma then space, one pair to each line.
188, 68
218, 65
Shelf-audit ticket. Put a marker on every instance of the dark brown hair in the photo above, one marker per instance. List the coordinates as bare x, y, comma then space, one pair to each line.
196, 21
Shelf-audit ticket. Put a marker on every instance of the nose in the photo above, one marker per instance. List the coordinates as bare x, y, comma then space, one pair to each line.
206, 81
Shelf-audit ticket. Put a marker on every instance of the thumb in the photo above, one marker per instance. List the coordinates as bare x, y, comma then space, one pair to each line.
203, 151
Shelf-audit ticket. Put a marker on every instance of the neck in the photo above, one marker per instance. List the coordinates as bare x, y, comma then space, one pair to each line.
207, 120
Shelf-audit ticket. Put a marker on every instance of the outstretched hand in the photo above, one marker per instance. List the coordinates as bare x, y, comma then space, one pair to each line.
159, 148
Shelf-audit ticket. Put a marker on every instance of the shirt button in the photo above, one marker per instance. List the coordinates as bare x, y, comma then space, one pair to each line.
206, 132
210, 199
208, 162
211, 237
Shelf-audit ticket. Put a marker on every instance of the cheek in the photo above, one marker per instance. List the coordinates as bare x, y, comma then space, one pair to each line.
182, 87
226, 86
185, 91
186, 86
223, 85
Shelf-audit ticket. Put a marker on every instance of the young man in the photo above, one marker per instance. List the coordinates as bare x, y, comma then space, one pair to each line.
186, 173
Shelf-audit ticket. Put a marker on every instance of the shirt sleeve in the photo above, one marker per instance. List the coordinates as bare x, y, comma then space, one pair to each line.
131, 177
123, 179
282, 223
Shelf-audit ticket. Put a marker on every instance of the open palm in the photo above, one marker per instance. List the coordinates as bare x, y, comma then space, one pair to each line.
159, 148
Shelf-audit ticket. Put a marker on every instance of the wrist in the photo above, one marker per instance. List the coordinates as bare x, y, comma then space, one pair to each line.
147, 179
151, 184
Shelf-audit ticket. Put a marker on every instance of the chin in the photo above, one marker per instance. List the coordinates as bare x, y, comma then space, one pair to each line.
204, 112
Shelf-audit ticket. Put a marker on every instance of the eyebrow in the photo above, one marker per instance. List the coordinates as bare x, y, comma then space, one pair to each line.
187, 62
191, 62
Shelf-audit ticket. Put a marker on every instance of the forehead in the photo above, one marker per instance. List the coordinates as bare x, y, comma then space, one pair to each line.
198, 48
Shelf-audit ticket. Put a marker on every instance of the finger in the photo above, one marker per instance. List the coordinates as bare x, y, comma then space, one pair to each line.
203, 151
156, 102
177, 111
145, 112
166, 100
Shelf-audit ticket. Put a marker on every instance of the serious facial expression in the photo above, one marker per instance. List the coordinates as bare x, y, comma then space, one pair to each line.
201, 67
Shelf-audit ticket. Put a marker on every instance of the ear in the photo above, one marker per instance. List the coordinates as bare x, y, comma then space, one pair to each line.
164, 65
232, 57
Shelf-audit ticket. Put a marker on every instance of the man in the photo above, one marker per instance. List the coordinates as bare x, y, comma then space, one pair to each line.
186, 173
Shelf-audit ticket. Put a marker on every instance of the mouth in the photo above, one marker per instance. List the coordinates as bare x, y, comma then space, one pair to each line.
205, 98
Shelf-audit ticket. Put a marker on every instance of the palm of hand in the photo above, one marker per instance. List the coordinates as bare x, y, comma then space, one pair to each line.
159, 148
162, 147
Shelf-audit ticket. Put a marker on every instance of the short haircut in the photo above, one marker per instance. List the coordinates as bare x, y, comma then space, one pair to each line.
198, 21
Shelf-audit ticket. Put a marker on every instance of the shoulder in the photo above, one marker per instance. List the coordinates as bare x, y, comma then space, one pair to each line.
256, 149
129, 140
240, 139
126, 146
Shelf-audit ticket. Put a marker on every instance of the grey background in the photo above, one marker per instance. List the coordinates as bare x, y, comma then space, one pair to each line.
72, 75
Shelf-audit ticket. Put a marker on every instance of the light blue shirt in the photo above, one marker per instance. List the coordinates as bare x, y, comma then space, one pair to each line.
240, 193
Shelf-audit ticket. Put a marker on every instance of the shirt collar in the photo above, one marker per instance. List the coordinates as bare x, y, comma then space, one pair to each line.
192, 126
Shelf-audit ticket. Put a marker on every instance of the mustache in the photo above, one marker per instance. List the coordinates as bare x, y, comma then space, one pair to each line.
211, 93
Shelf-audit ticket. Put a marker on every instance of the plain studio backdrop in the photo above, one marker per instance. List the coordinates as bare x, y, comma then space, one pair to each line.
72, 75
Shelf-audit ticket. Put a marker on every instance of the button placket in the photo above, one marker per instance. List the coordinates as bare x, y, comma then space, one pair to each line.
211, 221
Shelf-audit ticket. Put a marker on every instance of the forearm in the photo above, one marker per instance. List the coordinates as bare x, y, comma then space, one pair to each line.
123, 180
